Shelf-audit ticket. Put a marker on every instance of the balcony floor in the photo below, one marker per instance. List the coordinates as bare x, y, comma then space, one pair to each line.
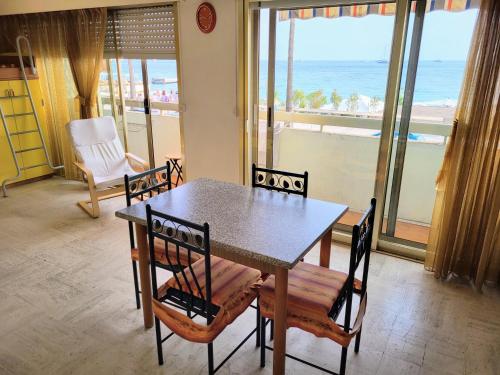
404, 230
67, 305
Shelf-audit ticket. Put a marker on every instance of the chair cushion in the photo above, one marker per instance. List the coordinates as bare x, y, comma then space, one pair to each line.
312, 291
233, 290
115, 179
98, 147
172, 253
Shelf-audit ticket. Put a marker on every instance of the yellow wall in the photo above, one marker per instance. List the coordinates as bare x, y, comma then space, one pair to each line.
18, 105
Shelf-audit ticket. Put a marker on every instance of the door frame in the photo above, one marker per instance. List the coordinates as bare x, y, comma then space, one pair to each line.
399, 39
120, 109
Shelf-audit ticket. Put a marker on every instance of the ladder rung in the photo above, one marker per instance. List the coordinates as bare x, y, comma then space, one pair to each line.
13, 97
29, 149
25, 132
20, 114
33, 166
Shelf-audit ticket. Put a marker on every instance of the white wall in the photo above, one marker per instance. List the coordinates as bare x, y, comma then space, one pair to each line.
166, 136
342, 169
209, 92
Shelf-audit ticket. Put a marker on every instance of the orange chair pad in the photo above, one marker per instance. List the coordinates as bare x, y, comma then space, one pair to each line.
312, 291
234, 287
161, 257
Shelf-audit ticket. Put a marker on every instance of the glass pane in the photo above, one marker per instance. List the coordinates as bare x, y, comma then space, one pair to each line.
164, 94
109, 89
444, 47
263, 68
336, 100
133, 90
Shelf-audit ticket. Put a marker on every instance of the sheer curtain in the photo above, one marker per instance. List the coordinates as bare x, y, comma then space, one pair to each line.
464, 238
46, 34
68, 48
85, 30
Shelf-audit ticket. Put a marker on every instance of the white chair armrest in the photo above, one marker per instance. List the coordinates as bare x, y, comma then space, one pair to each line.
87, 172
134, 159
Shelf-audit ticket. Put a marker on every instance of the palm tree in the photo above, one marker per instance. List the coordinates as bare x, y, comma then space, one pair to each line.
336, 99
277, 101
131, 75
352, 102
374, 101
289, 76
316, 99
299, 99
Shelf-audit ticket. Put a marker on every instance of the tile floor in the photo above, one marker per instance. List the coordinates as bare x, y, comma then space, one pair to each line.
67, 305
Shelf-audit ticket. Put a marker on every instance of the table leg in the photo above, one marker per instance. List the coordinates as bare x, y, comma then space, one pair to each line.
144, 273
326, 249
280, 315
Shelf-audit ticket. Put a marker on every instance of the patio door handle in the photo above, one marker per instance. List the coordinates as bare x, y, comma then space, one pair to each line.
269, 117
146, 106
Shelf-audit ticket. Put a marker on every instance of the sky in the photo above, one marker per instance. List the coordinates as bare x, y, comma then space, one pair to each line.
446, 36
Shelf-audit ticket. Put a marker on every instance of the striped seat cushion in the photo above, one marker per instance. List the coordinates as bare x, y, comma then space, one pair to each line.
312, 291
161, 257
234, 287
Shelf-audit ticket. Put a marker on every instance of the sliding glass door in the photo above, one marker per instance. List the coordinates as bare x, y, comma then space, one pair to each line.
164, 98
433, 71
346, 92
139, 81
321, 100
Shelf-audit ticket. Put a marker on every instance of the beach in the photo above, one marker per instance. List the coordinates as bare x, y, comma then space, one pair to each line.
359, 86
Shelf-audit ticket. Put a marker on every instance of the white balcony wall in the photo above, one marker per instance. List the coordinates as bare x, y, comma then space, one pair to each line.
342, 169
166, 136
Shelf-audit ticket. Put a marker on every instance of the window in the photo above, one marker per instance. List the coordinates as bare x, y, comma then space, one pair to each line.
139, 83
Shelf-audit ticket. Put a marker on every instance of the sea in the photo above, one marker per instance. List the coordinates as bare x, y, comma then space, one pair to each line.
438, 82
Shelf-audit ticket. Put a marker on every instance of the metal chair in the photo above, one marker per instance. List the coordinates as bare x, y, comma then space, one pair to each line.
286, 182
141, 187
215, 289
316, 296
283, 181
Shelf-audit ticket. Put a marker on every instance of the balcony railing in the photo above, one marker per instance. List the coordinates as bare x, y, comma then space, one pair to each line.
339, 151
350, 121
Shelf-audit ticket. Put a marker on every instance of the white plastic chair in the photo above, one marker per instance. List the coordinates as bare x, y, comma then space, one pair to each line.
102, 160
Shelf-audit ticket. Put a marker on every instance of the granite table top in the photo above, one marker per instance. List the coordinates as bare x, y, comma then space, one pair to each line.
251, 226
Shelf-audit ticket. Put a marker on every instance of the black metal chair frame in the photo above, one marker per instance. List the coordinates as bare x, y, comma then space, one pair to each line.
194, 238
286, 182
141, 185
177, 168
360, 247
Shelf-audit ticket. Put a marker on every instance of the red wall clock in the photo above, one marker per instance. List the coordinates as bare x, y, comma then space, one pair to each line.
206, 17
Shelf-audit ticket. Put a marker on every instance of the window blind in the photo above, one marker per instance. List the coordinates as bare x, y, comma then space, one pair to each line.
147, 32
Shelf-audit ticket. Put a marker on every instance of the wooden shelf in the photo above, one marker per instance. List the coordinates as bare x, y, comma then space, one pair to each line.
10, 68
10, 74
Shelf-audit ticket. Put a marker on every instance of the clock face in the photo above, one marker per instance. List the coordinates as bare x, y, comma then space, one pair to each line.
206, 17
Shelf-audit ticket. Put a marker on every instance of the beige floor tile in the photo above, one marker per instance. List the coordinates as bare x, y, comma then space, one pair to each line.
67, 306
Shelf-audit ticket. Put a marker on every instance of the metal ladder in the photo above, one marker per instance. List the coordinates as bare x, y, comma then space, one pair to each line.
33, 113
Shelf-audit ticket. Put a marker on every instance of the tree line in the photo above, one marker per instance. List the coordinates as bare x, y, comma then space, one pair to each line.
317, 99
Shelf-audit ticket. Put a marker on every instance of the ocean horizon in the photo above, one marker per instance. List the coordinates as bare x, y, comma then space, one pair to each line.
438, 81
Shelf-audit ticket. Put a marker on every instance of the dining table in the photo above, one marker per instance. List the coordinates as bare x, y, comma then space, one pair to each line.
267, 230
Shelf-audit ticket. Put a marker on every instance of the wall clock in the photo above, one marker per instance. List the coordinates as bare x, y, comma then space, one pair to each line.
206, 17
